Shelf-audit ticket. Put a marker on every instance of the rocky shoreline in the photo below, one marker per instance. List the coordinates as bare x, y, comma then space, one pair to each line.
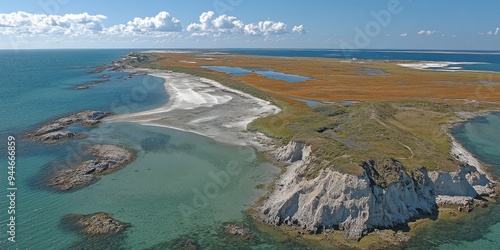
89, 84
109, 158
385, 196
54, 131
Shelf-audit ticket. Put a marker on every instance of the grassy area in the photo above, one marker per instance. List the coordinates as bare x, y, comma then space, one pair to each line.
404, 126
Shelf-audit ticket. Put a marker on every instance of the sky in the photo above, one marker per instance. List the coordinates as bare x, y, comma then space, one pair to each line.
335, 24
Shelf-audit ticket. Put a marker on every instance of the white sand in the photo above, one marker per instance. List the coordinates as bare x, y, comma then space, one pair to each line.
205, 107
444, 65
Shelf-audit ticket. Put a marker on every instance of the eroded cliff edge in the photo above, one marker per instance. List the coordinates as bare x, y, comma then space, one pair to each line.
384, 196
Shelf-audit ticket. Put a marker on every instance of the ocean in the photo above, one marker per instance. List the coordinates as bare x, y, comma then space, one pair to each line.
153, 192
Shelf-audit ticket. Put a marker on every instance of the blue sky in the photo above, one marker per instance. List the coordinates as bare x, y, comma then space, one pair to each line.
361, 24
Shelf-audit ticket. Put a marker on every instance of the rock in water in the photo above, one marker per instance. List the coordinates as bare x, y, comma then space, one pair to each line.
237, 230
96, 224
109, 158
53, 132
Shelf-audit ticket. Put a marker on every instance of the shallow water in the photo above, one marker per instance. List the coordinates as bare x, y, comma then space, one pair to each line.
481, 136
179, 183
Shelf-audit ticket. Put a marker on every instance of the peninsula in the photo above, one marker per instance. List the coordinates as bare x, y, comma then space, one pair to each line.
364, 145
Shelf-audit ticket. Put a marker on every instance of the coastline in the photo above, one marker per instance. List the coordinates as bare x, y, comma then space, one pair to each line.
168, 107
459, 151
190, 100
205, 107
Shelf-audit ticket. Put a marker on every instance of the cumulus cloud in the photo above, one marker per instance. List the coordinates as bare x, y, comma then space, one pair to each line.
427, 32
161, 23
265, 28
23, 23
403, 34
299, 29
209, 24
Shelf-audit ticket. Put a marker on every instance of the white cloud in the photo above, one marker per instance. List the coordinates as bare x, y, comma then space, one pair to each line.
23, 23
299, 29
426, 32
157, 25
492, 33
265, 28
210, 25
403, 34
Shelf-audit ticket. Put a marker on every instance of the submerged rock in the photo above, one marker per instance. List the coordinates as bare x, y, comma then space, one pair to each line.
53, 132
157, 142
237, 230
183, 242
88, 84
109, 158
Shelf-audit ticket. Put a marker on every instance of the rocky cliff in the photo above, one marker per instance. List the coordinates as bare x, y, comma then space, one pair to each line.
384, 196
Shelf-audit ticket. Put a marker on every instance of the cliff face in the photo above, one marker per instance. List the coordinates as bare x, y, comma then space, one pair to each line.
384, 196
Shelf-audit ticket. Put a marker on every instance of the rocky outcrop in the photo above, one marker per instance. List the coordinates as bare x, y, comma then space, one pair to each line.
109, 158
466, 182
89, 84
53, 132
96, 224
384, 196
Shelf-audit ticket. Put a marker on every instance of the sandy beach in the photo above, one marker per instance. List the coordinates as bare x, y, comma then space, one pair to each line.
206, 107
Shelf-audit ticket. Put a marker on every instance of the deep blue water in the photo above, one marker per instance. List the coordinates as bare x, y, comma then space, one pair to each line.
491, 58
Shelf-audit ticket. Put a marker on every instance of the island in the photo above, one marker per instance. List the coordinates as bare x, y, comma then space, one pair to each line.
54, 131
95, 224
109, 158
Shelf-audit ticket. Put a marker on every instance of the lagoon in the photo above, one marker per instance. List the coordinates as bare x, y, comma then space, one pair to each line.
269, 73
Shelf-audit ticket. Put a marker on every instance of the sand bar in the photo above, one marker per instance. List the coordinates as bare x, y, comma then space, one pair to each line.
205, 107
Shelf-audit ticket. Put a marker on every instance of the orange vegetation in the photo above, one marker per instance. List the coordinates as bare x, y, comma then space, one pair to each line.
337, 79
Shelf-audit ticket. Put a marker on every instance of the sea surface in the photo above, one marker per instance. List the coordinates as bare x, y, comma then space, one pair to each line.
174, 190
473, 60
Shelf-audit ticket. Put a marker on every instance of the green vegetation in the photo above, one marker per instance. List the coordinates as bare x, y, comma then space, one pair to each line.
346, 137
413, 133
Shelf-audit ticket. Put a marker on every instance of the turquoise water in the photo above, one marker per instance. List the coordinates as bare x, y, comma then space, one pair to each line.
237, 71
178, 185
481, 136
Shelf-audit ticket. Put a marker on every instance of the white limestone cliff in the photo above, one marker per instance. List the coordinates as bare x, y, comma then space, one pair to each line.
358, 204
